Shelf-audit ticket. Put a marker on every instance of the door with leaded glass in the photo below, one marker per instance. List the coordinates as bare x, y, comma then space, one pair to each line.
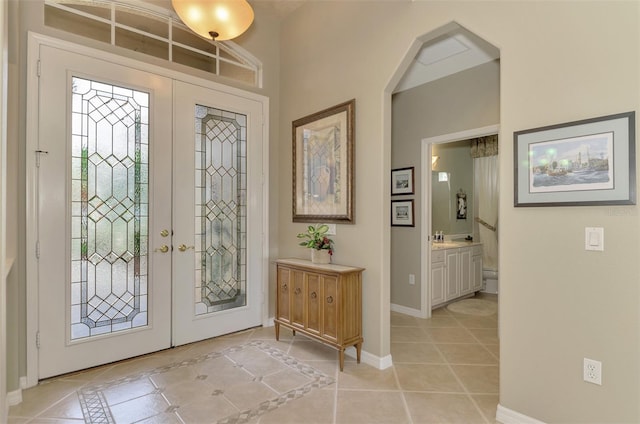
103, 204
218, 213
150, 211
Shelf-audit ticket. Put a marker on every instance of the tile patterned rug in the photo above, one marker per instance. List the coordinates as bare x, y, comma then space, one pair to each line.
231, 386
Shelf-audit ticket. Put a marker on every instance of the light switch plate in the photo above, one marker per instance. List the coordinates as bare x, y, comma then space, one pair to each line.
332, 229
594, 238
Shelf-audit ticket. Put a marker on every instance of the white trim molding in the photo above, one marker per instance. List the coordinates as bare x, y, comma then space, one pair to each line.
418, 313
427, 143
14, 397
508, 416
378, 362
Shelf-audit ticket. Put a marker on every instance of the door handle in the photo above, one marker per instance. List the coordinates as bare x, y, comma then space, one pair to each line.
164, 249
184, 247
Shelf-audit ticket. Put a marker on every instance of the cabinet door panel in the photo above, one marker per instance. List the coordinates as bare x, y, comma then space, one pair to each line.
465, 271
437, 283
313, 303
284, 284
477, 272
453, 290
297, 298
330, 309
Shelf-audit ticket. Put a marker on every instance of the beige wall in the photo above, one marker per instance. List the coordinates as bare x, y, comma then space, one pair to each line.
3, 207
560, 61
463, 101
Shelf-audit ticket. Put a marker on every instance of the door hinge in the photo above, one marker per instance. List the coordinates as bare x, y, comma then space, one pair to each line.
39, 68
38, 153
38, 249
38, 340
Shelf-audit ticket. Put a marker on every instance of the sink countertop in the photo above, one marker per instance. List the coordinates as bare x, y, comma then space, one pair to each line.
453, 244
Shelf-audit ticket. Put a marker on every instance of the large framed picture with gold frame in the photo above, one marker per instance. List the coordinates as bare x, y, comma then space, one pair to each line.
323, 165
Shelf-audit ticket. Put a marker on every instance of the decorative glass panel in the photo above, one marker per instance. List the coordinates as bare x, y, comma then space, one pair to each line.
220, 222
109, 202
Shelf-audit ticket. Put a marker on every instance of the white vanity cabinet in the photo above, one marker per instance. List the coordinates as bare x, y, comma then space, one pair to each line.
455, 271
438, 275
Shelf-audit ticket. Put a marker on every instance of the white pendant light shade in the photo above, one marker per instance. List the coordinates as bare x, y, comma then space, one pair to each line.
215, 19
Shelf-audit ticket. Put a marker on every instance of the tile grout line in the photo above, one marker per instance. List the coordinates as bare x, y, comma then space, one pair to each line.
335, 394
473, 401
40, 415
404, 400
321, 379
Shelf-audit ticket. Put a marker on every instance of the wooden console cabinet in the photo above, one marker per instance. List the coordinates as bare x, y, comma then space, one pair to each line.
321, 301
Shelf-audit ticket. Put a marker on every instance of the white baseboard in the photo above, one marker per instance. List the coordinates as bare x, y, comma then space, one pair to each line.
508, 416
370, 359
14, 397
268, 323
365, 357
23, 383
407, 311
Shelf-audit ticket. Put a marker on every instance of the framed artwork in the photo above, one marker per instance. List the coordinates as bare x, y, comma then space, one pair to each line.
402, 181
461, 202
402, 213
323, 165
581, 163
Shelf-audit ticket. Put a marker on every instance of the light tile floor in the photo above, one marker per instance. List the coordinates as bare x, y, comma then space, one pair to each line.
445, 371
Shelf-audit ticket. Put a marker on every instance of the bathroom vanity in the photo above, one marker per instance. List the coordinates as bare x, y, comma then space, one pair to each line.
456, 270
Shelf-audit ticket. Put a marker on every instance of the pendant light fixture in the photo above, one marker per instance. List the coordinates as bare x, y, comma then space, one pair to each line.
215, 19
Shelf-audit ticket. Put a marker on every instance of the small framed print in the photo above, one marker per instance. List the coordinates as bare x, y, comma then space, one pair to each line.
402, 213
402, 181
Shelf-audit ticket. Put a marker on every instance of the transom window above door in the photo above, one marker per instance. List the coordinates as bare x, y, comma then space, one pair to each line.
154, 31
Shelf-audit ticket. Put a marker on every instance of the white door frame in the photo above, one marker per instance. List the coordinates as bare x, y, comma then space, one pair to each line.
34, 42
425, 250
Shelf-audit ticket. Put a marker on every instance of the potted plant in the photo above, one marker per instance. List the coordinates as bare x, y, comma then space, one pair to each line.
321, 245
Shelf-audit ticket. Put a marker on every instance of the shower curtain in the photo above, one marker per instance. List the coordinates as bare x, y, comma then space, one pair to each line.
484, 151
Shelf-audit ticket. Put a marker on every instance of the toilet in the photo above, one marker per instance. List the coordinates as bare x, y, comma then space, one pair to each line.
490, 281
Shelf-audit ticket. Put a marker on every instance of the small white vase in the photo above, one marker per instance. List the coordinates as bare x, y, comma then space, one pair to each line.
321, 256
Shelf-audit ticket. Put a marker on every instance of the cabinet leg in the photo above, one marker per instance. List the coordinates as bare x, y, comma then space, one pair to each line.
341, 359
358, 351
277, 325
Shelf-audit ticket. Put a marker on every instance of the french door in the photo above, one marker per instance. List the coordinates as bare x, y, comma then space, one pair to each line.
218, 212
147, 238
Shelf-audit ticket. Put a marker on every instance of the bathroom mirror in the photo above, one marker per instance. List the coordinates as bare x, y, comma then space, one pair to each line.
452, 177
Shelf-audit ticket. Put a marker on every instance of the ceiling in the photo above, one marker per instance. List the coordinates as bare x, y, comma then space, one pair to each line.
455, 51
279, 8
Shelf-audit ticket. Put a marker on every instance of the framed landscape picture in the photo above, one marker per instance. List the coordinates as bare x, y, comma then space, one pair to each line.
589, 162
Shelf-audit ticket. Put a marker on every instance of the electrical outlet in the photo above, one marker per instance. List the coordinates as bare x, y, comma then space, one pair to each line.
592, 371
412, 279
